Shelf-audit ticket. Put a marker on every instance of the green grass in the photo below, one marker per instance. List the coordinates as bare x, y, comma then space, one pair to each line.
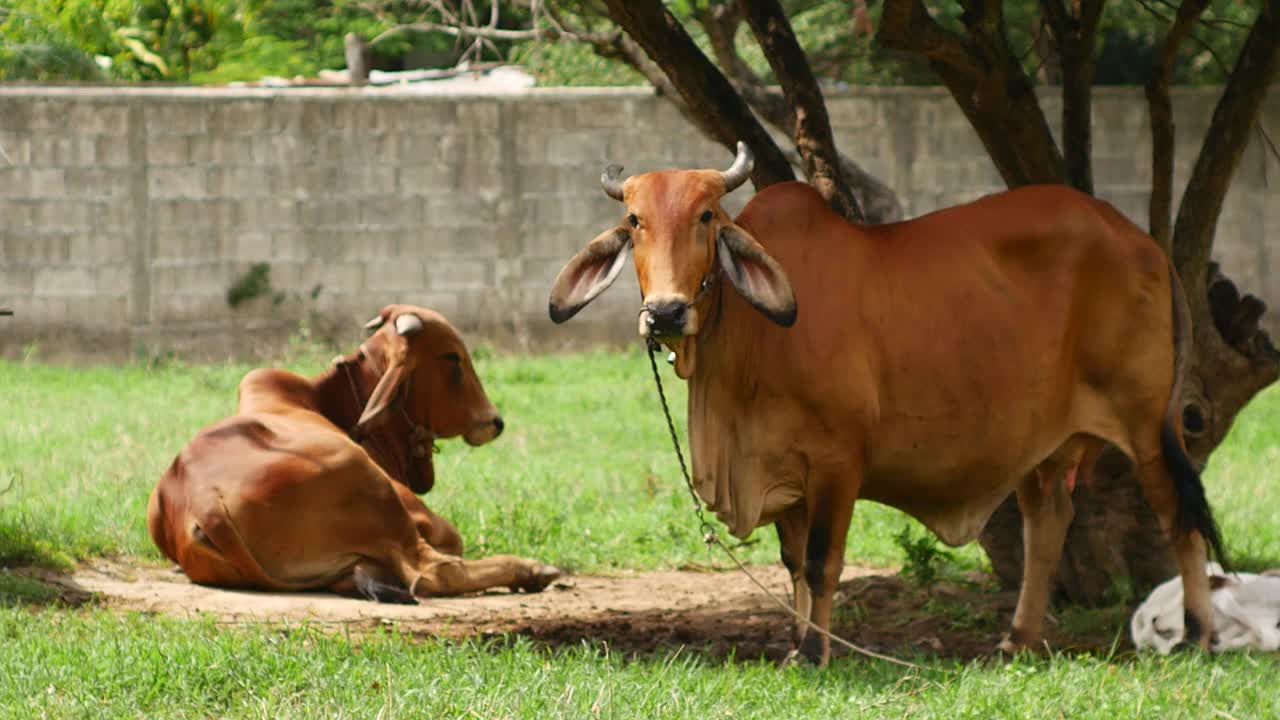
1241, 482
104, 665
583, 477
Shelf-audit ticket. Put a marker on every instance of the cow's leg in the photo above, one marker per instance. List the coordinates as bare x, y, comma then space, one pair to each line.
793, 532
1044, 497
427, 572
1188, 547
441, 534
830, 510
435, 573
438, 532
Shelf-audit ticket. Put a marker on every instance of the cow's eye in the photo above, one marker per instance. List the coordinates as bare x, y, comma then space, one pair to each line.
455, 368
706, 216
635, 221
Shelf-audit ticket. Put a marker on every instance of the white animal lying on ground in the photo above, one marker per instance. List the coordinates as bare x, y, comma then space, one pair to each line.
1246, 613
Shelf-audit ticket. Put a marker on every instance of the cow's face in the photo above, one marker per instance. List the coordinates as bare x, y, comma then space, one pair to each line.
428, 380
681, 238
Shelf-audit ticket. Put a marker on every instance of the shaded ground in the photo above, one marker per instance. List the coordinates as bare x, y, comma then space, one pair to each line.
719, 613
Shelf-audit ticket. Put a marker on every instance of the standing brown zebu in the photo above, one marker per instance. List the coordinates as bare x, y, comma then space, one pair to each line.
934, 365
311, 484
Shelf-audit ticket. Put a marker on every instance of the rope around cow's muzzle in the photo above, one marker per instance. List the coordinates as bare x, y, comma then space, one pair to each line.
711, 537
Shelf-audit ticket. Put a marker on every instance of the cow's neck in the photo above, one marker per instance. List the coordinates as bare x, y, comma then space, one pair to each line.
724, 338
336, 400
342, 392
718, 381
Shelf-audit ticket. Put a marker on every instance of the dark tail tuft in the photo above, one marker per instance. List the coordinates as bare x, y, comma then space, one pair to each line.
1193, 507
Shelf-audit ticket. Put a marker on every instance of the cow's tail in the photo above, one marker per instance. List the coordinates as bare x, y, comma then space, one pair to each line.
1193, 512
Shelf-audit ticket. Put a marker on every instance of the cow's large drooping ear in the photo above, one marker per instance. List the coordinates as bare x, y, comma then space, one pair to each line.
589, 273
385, 392
758, 277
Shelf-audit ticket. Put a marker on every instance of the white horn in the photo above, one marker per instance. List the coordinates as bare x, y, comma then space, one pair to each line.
740, 170
408, 324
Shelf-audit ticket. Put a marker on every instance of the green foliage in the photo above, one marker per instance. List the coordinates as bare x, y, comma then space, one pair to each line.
923, 556
215, 41
256, 281
964, 615
258, 57
1130, 33
52, 61
572, 64
17, 590
137, 40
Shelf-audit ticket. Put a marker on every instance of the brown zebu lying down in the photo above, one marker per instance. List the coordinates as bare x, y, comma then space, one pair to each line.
310, 485
934, 365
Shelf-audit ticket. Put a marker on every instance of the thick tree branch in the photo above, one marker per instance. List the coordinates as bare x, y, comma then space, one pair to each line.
1228, 135
907, 25
813, 138
987, 81
877, 201
704, 89
720, 21
1160, 109
1075, 37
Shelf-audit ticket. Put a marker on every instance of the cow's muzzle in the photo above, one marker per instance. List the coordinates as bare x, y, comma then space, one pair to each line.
664, 319
483, 432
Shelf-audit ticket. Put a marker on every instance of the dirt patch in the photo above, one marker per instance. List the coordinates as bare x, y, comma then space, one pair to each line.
717, 613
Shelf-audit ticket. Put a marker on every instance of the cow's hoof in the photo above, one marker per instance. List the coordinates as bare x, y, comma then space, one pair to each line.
1010, 647
539, 578
1007, 648
814, 651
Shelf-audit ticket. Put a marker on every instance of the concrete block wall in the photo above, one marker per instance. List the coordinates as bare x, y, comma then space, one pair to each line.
127, 213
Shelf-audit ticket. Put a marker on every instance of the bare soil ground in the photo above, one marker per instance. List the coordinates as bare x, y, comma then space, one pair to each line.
714, 612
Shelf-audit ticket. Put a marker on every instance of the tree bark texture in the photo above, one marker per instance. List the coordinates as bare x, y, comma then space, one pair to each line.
1075, 36
987, 82
721, 20
813, 138
877, 202
1160, 109
706, 92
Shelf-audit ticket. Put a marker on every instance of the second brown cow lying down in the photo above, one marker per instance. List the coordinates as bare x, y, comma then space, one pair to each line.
311, 484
